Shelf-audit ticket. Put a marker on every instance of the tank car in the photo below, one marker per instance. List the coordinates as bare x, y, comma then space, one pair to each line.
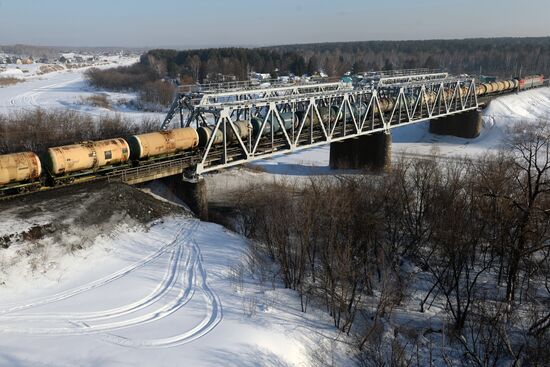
481, 89
162, 143
86, 156
273, 123
19, 172
326, 113
205, 133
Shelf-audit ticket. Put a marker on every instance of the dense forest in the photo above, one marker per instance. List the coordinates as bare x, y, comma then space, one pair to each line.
492, 56
504, 57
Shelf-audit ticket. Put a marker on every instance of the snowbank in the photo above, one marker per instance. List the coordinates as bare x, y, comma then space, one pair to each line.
14, 73
176, 292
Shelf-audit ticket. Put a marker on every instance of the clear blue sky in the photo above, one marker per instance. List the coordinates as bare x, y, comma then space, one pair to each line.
192, 23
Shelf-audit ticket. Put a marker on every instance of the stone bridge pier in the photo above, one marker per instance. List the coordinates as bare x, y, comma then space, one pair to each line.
463, 125
372, 152
192, 191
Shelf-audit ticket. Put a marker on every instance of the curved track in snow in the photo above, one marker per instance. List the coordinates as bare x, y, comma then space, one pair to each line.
184, 277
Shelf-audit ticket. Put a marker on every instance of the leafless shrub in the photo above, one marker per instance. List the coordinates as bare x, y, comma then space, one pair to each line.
479, 231
121, 78
97, 100
250, 306
5, 81
37, 130
236, 276
157, 93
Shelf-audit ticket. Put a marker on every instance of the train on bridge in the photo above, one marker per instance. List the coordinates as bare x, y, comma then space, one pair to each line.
27, 172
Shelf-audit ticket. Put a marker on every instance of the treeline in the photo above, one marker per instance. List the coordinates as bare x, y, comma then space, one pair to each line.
37, 130
471, 239
197, 65
138, 77
503, 57
54, 51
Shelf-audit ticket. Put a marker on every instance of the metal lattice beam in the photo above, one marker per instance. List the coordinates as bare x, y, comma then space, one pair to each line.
351, 113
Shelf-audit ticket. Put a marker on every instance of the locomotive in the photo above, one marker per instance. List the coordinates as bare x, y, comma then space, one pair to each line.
25, 171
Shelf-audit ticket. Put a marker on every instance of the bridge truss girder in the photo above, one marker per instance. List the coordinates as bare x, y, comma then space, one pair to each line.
411, 103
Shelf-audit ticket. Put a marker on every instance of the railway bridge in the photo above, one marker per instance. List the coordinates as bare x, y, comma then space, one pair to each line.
356, 119
242, 122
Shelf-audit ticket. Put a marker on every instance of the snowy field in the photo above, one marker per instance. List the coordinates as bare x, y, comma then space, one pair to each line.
177, 293
165, 297
66, 89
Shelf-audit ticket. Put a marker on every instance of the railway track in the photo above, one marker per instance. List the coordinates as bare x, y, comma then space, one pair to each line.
181, 162
186, 160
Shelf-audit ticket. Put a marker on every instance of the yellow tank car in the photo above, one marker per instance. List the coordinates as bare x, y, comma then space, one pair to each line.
86, 156
481, 89
19, 167
162, 142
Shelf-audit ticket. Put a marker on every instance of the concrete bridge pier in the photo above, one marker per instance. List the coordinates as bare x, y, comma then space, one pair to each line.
371, 152
464, 125
192, 191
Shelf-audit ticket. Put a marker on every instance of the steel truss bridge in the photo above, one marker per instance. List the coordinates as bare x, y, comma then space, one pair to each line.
385, 101
322, 113
326, 112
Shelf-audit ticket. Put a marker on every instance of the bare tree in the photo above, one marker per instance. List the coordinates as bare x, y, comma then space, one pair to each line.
530, 147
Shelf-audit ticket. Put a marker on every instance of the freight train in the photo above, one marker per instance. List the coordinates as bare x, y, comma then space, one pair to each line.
25, 171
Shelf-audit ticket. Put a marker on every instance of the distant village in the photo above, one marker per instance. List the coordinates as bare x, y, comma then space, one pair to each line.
12, 65
262, 78
65, 58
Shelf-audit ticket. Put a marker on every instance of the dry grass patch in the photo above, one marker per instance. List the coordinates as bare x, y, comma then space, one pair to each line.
254, 168
97, 100
5, 81
45, 69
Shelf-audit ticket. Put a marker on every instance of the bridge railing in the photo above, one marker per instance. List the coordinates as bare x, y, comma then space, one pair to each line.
209, 88
151, 169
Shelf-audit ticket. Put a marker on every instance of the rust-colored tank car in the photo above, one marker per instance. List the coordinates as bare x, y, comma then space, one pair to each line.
481, 89
493, 87
19, 167
205, 133
162, 142
86, 156
449, 93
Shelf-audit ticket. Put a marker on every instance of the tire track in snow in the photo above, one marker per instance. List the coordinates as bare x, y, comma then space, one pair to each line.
214, 315
193, 278
27, 100
162, 288
107, 279
185, 294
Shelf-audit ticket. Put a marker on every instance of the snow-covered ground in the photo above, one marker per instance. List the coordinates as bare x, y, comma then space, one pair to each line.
66, 89
165, 297
178, 294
